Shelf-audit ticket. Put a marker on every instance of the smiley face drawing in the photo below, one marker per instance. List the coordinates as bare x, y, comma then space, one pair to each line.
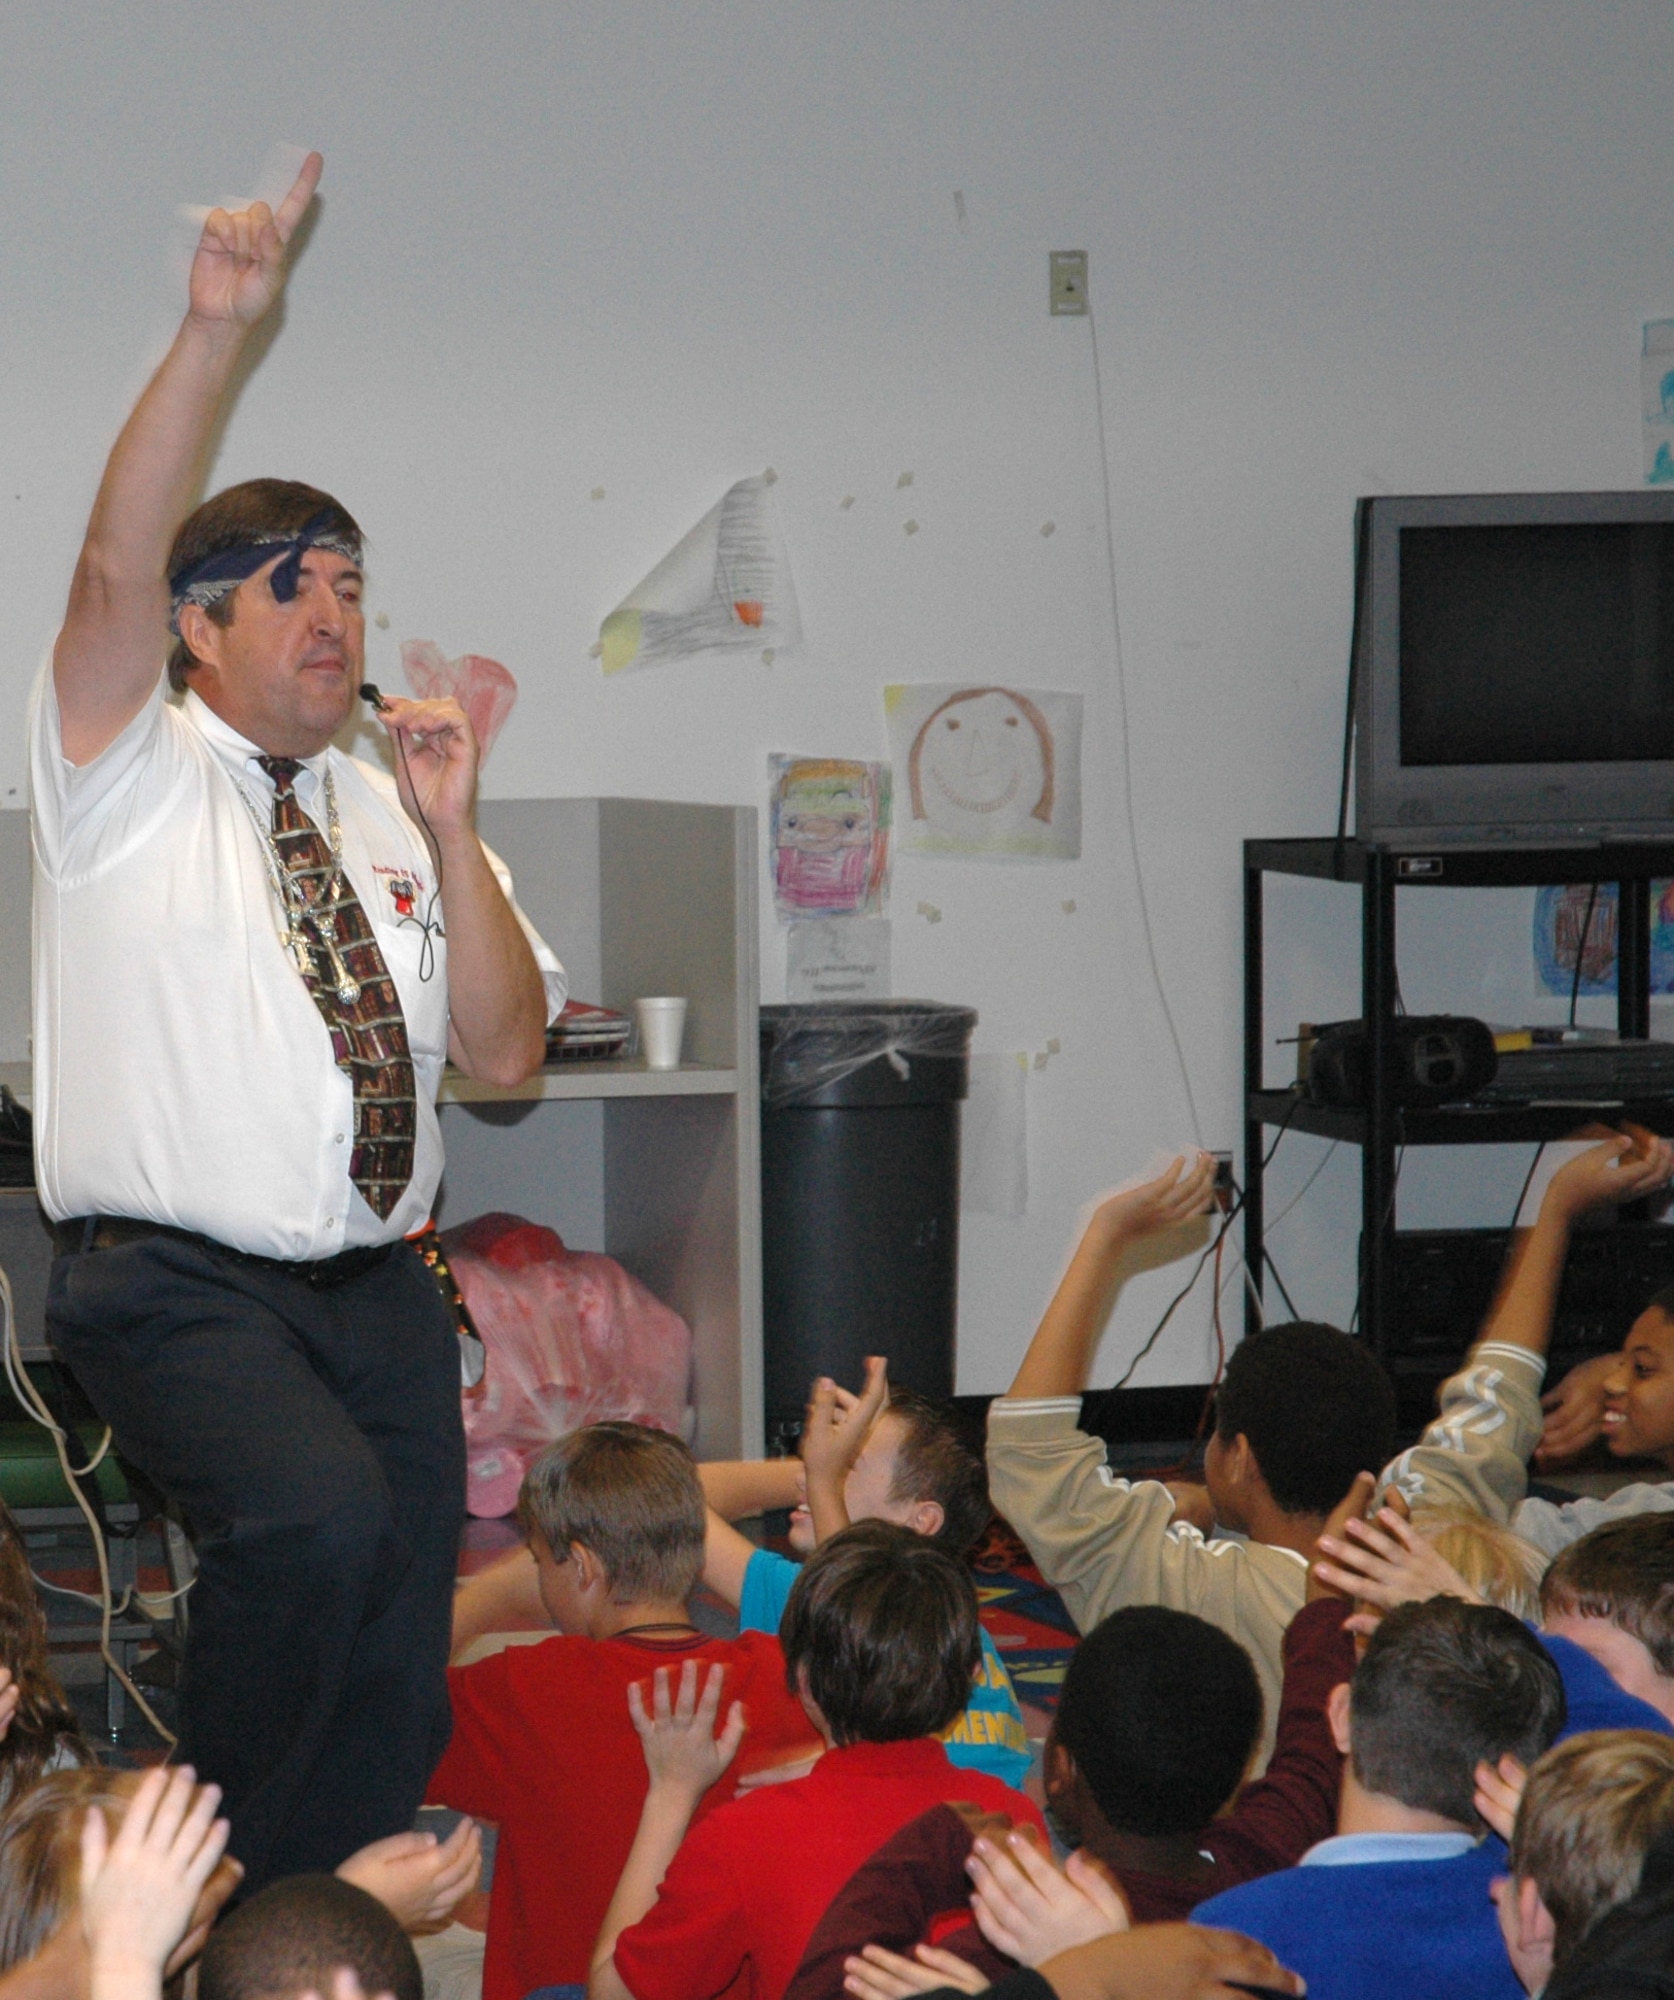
982, 766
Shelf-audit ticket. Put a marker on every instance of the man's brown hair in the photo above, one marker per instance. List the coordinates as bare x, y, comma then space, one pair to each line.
630, 1495
1624, 1572
1591, 1809
259, 510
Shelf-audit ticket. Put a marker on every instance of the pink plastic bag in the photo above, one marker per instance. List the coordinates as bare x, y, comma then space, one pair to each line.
572, 1339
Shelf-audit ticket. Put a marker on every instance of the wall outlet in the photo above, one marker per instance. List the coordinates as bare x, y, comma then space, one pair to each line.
1066, 279
1223, 1181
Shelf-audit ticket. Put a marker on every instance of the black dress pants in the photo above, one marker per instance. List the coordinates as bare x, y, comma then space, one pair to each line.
312, 1438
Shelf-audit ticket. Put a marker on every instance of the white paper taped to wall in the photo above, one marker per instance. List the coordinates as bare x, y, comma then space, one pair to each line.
838, 958
994, 1138
986, 771
723, 588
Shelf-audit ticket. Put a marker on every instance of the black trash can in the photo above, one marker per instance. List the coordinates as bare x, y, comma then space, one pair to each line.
859, 1195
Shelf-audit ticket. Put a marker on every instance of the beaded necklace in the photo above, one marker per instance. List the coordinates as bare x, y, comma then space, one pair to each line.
301, 913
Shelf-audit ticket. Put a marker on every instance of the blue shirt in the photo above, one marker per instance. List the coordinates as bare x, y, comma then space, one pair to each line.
1593, 1698
1380, 1930
1391, 1914
989, 1736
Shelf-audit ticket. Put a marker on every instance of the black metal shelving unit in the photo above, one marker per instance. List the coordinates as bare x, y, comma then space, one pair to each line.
1383, 1128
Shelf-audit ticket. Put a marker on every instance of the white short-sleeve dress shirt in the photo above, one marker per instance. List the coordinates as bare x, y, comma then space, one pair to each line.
182, 1073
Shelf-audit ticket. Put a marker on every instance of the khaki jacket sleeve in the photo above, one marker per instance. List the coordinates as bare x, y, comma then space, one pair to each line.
1103, 1542
1476, 1452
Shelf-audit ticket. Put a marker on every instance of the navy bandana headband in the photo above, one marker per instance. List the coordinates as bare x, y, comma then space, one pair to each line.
213, 577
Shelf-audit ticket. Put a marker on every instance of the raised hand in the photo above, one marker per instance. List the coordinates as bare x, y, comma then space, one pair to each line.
1499, 1792
881, 1974
1352, 1507
1169, 1962
140, 1888
834, 1433
1031, 1909
682, 1751
1575, 1411
1386, 1562
238, 271
1184, 1188
1629, 1165
420, 1880
436, 762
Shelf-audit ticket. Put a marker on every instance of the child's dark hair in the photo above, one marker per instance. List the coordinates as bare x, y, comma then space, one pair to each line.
1160, 1712
628, 1493
44, 1730
881, 1633
1624, 1572
1663, 1302
293, 1936
1445, 1686
933, 1462
1316, 1407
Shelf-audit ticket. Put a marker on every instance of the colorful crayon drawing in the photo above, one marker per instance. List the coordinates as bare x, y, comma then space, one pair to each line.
1559, 917
991, 771
725, 587
828, 830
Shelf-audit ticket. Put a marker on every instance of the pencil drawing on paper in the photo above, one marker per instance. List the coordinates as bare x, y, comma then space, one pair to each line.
725, 587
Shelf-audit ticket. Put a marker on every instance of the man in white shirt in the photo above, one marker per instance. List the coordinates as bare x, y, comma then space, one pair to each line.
252, 956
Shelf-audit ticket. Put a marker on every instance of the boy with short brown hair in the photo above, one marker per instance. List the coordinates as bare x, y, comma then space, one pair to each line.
1591, 1810
886, 1454
542, 1739
880, 1642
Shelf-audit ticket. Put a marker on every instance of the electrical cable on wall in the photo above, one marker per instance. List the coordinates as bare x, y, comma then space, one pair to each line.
1580, 955
1528, 1182
34, 1406
1180, 1296
1127, 754
1383, 1223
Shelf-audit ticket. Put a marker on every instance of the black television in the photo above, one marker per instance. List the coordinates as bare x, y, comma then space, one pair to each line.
1514, 667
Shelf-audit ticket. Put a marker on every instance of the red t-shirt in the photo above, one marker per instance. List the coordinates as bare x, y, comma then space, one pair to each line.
751, 1883
544, 1746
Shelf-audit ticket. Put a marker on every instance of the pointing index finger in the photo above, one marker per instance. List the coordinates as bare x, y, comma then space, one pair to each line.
291, 209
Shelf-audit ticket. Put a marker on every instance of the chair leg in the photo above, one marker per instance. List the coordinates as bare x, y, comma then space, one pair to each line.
182, 1564
116, 1701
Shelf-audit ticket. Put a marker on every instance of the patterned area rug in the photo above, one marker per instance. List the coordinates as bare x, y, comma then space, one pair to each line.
1025, 1617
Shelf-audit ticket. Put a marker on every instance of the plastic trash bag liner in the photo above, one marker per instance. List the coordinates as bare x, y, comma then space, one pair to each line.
811, 1049
572, 1339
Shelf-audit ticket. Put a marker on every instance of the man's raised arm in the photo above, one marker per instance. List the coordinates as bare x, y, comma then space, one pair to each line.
110, 650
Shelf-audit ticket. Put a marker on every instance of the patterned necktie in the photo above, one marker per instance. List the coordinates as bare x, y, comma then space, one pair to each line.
368, 1032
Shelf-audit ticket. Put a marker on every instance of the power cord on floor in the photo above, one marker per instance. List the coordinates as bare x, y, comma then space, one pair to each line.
34, 1406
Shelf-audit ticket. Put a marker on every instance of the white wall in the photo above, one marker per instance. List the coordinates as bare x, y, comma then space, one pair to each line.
1351, 246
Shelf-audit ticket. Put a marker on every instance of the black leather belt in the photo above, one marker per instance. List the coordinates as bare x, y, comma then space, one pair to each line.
110, 1232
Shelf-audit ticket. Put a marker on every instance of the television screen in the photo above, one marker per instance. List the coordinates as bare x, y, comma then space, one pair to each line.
1537, 644
1514, 663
